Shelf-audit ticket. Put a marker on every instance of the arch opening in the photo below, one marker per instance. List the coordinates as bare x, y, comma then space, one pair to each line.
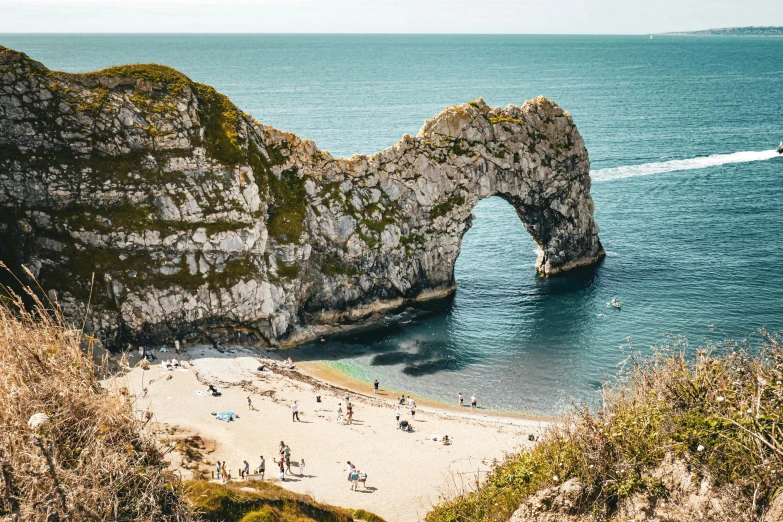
495, 250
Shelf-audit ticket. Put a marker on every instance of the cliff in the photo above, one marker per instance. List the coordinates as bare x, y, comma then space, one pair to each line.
196, 220
735, 31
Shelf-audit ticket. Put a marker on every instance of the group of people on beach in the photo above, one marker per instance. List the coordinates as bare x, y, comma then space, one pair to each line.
283, 464
348, 417
356, 477
461, 400
170, 364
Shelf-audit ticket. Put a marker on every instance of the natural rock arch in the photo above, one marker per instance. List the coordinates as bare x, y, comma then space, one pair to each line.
531, 156
198, 220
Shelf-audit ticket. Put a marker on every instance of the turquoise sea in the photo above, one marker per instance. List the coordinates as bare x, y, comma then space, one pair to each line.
688, 192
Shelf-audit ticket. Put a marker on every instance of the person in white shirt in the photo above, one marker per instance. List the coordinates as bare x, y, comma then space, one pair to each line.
262, 467
410, 401
295, 411
397, 414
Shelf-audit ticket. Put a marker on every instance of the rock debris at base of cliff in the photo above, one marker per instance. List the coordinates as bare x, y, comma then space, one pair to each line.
197, 220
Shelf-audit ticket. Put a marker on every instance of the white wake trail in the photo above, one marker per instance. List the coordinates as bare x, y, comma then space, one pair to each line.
647, 169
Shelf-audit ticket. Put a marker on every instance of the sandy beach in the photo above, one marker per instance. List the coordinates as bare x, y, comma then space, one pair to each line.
407, 472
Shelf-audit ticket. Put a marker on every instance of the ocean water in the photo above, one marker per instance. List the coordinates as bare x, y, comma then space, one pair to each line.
688, 192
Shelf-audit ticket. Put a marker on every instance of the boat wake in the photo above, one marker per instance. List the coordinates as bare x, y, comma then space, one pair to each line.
647, 169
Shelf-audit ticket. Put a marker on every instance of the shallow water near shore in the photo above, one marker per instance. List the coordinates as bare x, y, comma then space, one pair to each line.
688, 191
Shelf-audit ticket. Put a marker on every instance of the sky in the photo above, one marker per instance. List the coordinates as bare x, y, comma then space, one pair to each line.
383, 16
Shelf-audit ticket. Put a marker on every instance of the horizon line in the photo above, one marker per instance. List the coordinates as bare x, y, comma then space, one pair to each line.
158, 33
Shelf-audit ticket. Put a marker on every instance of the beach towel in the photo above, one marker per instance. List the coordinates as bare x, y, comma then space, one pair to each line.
225, 416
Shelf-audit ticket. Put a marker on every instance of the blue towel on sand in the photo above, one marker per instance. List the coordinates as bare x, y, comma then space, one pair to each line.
226, 416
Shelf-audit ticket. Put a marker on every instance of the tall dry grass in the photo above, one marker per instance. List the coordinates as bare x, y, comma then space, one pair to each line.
70, 448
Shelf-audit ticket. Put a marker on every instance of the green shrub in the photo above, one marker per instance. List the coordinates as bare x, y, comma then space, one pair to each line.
720, 411
260, 515
287, 208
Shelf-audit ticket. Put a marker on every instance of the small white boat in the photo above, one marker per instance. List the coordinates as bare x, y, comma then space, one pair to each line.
780, 148
615, 303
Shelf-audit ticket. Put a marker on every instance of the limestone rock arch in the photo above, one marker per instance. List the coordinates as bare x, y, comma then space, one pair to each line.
531, 156
198, 221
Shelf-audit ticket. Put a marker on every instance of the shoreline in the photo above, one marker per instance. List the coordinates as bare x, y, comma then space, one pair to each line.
409, 471
332, 377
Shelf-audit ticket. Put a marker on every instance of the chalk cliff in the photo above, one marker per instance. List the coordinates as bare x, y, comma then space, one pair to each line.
196, 219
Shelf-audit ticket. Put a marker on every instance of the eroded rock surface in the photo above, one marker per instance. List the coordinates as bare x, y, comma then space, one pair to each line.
196, 219
677, 494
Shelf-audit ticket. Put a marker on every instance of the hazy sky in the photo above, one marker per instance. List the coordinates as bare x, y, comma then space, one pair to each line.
384, 16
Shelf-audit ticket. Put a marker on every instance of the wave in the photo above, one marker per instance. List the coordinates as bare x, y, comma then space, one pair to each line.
646, 169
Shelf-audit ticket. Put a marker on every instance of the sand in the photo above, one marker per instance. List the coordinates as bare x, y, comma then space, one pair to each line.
407, 472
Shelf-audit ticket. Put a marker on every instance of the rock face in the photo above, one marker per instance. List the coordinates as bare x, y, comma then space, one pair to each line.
196, 219
680, 495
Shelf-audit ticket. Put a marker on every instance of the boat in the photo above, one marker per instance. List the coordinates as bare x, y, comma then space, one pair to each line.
780, 148
615, 303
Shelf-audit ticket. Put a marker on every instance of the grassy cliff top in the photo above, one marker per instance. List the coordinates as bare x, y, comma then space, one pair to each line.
717, 410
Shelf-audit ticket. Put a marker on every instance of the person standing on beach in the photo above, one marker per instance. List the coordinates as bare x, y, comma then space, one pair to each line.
301, 467
262, 468
473, 401
218, 470
245, 471
413, 411
288, 463
295, 411
410, 401
461, 400
350, 416
282, 447
339, 411
397, 414
281, 469
249, 404
375, 386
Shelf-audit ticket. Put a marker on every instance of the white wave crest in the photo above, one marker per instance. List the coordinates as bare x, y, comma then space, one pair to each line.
647, 169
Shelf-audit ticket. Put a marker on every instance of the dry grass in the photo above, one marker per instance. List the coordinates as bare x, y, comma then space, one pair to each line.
718, 409
88, 458
73, 446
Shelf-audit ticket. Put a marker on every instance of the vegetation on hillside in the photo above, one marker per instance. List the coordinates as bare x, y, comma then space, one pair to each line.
74, 448
720, 411
264, 502
69, 448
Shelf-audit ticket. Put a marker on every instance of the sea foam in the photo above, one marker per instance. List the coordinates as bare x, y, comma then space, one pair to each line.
646, 169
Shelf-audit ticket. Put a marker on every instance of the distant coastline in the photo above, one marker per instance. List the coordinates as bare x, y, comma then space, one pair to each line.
734, 31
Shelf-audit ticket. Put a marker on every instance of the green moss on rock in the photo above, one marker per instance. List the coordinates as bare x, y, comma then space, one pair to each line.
287, 207
220, 119
147, 72
445, 208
